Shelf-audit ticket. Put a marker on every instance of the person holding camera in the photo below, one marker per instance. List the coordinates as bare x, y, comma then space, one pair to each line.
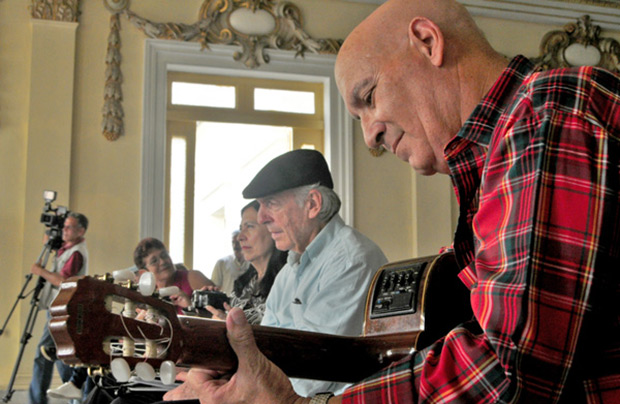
71, 260
152, 255
251, 289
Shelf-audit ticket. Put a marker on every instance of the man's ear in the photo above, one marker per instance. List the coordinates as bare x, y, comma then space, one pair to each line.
314, 201
428, 39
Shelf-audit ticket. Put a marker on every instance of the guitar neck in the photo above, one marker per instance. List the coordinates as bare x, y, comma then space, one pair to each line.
298, 353
410, 304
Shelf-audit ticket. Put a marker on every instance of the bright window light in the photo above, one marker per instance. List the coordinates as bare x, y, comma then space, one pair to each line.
228, 156
203, 95
268, 99
176, 245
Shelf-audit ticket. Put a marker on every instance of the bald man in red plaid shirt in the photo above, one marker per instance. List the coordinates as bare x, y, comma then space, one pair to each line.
535, 161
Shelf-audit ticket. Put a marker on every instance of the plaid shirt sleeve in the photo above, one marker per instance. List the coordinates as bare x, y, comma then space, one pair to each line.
544, 272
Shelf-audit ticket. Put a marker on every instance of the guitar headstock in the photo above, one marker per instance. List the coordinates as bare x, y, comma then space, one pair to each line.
93, 323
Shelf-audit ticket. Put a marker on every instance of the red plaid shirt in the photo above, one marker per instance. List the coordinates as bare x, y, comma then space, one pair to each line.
537, 174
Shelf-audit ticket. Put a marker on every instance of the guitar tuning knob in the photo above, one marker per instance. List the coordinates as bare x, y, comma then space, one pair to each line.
120, 370
122, 275
168, 372
146, 284
145, 371
169, 291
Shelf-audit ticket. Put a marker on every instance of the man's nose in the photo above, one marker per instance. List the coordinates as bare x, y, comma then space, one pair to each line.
374, 133
262, 216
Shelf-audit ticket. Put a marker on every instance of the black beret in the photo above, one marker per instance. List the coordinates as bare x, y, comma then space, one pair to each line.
290, 170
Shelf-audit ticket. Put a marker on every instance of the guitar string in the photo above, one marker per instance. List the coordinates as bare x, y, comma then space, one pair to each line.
167, 340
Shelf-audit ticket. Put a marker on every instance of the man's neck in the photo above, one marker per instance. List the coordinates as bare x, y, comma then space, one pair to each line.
69, 244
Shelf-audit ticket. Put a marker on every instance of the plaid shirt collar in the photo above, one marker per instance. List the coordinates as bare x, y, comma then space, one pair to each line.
466, 152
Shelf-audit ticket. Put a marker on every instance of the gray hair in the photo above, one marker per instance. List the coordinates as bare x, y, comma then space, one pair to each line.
80, 218
331, 200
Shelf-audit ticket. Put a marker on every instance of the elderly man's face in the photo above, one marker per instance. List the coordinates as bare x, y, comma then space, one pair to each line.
287, 222
72, 231
396, 94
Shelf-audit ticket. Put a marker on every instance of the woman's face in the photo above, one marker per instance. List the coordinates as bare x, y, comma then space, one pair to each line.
255, 239
159, 263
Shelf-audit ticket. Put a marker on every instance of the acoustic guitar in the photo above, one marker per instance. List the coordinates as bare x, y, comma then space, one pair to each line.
410, 304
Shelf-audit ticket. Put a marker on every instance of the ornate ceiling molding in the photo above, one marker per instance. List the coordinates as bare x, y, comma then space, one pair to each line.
578, 44
254, 25
605, 13
55, 10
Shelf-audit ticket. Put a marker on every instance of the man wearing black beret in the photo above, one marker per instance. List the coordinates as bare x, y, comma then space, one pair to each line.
330, 265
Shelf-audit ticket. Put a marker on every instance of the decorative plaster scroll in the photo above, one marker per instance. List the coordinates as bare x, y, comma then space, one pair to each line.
578, 44
255, 25
112, 125
235, 22
56, 10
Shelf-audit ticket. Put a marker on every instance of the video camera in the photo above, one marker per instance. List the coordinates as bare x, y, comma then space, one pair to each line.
53, 219
203, 298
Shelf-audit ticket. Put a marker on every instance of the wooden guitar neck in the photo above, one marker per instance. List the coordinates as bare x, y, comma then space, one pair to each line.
409, 305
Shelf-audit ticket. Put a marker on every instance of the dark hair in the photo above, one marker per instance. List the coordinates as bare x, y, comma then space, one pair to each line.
254, 204
143, 249
81, 219
276, 262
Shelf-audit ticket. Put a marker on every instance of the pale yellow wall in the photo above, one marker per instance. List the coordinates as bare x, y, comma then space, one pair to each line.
14, 73
104, 176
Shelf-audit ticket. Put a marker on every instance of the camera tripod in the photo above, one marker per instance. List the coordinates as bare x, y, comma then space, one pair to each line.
32, 315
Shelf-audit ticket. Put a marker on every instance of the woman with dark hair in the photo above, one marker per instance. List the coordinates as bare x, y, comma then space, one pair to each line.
152, 255
251, 289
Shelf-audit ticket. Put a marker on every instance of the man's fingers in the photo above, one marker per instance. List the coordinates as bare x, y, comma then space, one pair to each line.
184, 392
217, 314
241, 337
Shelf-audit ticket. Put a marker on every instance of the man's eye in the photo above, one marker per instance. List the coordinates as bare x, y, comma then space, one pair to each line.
368, 98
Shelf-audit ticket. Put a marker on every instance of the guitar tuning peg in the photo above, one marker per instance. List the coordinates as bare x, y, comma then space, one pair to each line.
146, 284
104, 278
169, 291
120, 370
122, 275
168, 372
145, 371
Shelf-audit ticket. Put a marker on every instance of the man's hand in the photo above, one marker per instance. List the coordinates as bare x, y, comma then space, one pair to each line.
36, 269
181, 299
219, 314
257, 380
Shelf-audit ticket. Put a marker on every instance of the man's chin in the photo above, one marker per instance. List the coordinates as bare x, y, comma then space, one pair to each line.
283, 245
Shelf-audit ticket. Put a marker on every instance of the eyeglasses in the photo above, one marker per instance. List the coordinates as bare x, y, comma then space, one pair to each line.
154, 261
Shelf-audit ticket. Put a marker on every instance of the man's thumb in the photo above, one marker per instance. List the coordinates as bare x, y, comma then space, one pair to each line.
240, 336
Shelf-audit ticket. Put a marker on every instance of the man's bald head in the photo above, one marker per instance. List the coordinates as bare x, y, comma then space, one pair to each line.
385, 31
412, 72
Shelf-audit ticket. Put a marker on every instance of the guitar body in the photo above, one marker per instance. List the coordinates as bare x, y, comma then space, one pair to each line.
410, 304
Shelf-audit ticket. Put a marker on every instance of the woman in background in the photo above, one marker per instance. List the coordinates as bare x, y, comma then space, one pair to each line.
251, 289
151, 255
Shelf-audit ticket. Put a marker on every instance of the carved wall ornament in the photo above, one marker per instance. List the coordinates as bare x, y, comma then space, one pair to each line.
578, 44
112, 125
56, 10
254, 25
